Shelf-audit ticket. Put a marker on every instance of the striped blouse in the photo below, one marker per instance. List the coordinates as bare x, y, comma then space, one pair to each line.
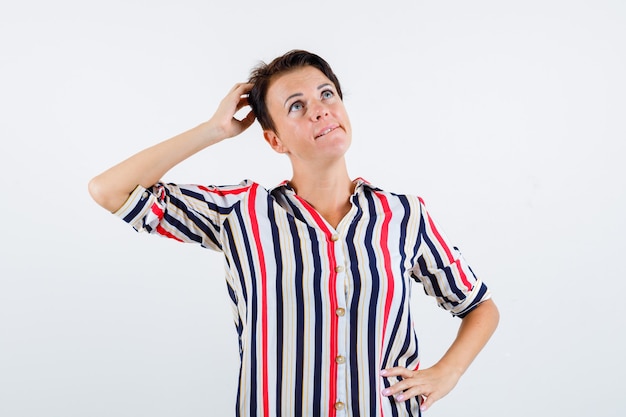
319, 311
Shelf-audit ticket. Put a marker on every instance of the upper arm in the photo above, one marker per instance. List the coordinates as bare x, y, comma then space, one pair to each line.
186, 213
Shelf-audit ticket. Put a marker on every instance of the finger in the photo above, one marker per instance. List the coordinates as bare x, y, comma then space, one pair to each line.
427, 402
397, 371
405, 389
410, 393
243, 102
236, 87
398, 387
248, 120
422, 400
242, 88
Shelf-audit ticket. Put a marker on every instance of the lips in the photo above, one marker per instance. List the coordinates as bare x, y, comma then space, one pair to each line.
326, 131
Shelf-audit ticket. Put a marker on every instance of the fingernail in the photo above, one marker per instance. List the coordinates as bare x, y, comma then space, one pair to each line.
400, 397
383, 372
386, 391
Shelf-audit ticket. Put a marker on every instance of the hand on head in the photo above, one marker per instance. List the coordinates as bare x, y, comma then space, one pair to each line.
224, 118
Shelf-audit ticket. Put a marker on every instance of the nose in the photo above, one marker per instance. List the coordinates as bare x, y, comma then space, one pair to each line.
318, 112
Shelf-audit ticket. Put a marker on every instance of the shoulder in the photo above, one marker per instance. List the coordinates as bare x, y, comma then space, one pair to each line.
369, 188
394, 202
230, 190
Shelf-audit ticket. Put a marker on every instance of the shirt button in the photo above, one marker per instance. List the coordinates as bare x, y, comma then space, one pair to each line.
339, 406
334, 238
339, 268
145, 194
340, 359
340, 311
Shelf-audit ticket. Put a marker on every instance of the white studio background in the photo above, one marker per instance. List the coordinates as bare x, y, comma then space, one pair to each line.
507, 117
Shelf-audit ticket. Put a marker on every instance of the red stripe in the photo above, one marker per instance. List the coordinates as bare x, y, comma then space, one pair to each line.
464, 279
332, 289
157, 210
384, 246
259, 248
384, 238
445, 247
160, 230
223, 192
442, 243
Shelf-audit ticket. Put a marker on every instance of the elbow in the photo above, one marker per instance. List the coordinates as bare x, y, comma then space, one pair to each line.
492, 313
487, 314
95, 190
99, 193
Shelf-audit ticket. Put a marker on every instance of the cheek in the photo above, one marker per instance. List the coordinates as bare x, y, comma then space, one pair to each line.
295, 126
344, 118
340, 109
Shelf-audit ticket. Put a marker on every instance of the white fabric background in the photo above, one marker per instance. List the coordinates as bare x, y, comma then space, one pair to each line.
506, 117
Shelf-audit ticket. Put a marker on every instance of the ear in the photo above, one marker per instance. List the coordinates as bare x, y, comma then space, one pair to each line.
274, 141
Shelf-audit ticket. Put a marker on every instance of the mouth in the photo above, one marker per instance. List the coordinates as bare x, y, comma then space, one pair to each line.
326, 131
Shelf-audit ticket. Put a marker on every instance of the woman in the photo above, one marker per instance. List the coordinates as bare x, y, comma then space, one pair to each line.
318, 268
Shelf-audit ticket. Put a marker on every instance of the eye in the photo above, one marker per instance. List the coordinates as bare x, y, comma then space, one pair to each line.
326, 94
297, 106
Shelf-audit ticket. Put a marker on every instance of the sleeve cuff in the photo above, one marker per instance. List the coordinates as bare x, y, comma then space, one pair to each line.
134, 208
479, 293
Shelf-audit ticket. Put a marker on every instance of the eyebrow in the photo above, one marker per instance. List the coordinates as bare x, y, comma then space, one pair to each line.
319, 87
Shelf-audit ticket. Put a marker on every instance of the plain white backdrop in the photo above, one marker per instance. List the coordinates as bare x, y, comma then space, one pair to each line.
507, 117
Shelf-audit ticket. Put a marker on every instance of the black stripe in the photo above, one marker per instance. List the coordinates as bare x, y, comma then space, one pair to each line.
402, 306
374, 278
317, 343
253, 314
298, 279
271, 214
353, 343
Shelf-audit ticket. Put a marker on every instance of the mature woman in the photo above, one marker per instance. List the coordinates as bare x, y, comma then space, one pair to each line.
318, 268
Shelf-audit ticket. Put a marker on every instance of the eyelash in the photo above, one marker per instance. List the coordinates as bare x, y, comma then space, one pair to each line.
291, 108
331, 95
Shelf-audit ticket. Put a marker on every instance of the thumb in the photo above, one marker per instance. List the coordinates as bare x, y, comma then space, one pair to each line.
247, 121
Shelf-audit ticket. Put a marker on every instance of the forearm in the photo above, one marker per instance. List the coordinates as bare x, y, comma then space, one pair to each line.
111, 188
474, 332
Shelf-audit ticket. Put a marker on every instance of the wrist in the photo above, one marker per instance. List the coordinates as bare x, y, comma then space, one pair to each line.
211, 133
450, 368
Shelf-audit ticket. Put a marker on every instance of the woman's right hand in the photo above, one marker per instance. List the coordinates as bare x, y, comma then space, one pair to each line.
224, 121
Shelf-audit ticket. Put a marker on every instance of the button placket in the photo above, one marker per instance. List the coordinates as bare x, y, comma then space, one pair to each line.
340, 312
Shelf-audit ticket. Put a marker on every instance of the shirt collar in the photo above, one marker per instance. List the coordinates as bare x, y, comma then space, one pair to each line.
359, 183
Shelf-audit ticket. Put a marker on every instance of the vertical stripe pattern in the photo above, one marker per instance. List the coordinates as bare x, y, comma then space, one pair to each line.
319, 311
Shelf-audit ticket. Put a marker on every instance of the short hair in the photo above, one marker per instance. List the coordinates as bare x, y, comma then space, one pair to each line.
262, 75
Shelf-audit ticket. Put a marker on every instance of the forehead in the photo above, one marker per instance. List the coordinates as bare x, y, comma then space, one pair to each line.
295, 81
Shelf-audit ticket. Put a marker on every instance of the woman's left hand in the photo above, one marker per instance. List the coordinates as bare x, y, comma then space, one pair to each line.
431, 383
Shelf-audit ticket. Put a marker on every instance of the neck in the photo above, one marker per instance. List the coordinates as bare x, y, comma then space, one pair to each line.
328, 190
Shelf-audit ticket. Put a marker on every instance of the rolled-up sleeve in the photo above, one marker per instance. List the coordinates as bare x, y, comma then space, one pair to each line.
185, 213
443, 271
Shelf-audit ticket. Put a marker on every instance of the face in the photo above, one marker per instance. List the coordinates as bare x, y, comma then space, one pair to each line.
312, 126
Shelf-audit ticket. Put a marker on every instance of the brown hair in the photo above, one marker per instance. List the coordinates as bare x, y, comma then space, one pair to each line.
262, 75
